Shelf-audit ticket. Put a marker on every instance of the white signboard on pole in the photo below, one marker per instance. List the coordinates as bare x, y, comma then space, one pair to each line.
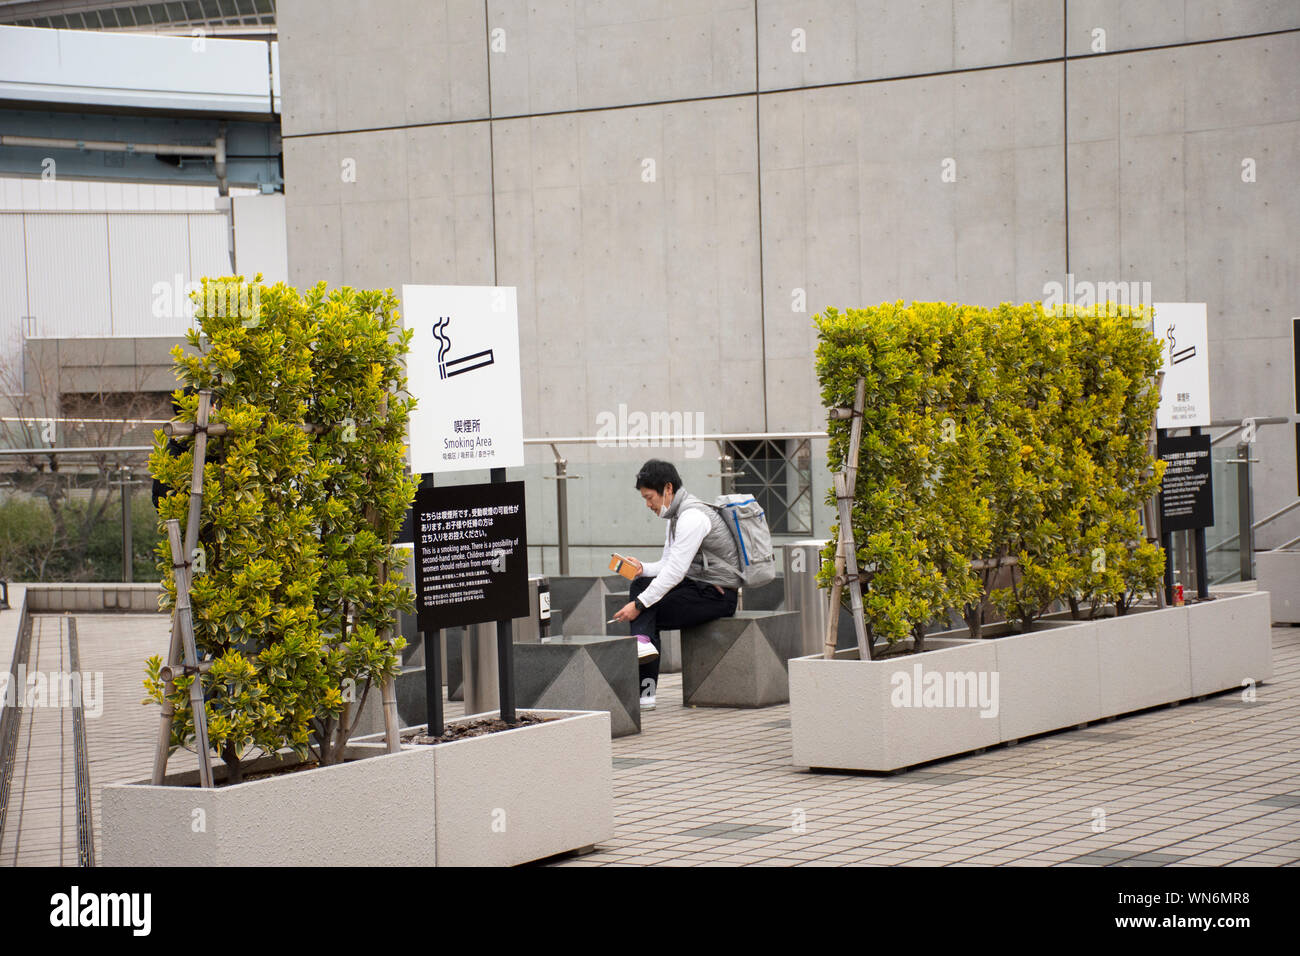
1185, 396
463, 368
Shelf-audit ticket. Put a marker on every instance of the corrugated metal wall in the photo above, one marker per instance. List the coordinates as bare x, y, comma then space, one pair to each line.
94, 274
67, 274
146, 272
13, 299
207, 246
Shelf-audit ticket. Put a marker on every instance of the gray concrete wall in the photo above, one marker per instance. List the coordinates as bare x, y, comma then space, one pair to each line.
815, 153
53, 367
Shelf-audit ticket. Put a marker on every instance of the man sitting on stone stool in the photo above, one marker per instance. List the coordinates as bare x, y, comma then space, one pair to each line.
694, 580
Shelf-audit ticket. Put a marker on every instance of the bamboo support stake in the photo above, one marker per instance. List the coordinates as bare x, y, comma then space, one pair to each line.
185, 429
200, 431
844, 498
182, 571
855, 441
172, 671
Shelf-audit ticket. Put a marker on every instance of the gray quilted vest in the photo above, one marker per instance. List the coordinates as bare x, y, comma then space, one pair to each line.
717, 561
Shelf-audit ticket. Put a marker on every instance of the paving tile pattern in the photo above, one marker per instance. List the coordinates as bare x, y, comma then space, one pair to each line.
41, 821
121, 739
1210, 783
42, 826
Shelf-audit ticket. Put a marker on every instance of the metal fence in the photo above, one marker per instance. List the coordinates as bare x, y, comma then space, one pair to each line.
775, 467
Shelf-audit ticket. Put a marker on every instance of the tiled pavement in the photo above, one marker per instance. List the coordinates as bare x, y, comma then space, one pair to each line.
121, 741
1205, 784
41, 829
41, 820
1211, 783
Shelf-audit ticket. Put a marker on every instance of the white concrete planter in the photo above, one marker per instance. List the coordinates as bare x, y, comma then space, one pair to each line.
495, 800
1143, 659
1279, 575
365, 812
841, 714
847, 714
518, 795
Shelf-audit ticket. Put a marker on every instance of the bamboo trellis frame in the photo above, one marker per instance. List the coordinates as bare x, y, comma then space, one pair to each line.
846, 555
182, 620
182, 656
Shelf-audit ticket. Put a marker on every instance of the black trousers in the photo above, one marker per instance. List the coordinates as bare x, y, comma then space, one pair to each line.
691, 602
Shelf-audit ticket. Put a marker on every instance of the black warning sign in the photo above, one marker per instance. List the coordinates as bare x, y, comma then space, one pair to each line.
1186, 495
471, 546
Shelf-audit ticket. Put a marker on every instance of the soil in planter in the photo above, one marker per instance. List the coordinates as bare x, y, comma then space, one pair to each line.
277, 771
475, 728
221, 779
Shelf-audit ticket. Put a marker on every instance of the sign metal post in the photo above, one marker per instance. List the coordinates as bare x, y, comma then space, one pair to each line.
1186, 501
1186, 496
506, 640
432, 640
470, 540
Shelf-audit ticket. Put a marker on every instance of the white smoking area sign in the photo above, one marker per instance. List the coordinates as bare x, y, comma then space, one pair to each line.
1183, 329
463, 370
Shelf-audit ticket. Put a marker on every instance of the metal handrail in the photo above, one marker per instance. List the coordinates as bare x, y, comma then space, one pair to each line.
561, 476
1259, 524
651, 440
1235, 426
86, 421
1245, 536
89, 450
726, 472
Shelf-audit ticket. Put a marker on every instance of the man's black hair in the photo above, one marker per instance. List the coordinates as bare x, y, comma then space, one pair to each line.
657, 474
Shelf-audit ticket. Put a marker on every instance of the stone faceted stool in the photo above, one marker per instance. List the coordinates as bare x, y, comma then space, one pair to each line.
582, 601
582, 672
740, 661
454, 655
574, 673
410, 704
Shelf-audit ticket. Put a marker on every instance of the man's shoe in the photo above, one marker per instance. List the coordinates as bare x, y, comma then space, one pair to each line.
645, 650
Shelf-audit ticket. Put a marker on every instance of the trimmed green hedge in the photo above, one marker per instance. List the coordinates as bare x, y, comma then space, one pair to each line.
990, 434
297, 528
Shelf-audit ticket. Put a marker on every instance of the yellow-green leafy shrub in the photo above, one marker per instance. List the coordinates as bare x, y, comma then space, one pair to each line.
992, 434
297, 523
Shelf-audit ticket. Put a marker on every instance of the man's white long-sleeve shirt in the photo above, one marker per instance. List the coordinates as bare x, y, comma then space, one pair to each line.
692, 526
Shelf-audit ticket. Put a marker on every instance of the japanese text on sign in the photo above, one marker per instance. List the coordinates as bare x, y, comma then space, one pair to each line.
471, 554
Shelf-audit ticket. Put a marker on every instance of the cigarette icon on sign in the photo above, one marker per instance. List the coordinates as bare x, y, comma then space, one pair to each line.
1183, 354
458, 366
